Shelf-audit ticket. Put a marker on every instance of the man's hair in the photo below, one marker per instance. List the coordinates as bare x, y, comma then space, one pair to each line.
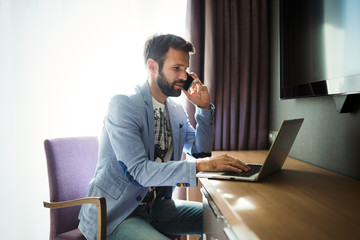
157, 46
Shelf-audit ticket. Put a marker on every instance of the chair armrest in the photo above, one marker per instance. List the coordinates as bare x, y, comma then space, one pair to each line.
100, 203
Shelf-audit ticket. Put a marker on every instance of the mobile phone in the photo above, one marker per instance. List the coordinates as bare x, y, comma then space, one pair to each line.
188, 82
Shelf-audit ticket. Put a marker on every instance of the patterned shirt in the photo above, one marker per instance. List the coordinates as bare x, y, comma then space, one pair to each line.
163, 142
163, 133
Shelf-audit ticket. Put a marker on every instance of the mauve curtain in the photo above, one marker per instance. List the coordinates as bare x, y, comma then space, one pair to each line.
231, 38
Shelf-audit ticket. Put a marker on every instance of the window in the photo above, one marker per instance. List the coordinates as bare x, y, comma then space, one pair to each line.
61, 62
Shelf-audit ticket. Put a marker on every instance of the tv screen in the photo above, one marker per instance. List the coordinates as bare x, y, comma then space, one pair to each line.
319, 47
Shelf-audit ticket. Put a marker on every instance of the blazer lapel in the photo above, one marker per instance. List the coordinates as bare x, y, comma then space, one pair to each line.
175, 127
150, 118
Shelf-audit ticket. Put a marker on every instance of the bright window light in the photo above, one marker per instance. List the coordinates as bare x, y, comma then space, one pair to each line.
61, 62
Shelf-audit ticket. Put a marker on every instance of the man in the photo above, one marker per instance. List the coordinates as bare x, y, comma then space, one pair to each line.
144, 136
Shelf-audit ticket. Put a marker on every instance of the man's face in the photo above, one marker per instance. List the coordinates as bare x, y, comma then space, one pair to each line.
173, 74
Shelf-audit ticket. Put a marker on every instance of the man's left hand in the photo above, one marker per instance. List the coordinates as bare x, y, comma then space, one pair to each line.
199, 94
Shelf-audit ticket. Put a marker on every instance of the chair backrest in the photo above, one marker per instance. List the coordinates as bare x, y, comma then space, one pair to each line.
71, 164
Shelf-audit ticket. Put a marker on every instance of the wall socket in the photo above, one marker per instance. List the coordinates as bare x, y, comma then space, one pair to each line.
272, 136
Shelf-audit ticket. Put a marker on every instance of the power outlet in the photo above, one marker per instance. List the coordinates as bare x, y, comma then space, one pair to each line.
272, 136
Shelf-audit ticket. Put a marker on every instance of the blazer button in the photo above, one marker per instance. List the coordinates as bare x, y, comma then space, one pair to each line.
138, 198
183, 184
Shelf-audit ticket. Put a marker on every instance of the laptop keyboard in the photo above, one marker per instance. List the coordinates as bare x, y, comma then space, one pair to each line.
255, 168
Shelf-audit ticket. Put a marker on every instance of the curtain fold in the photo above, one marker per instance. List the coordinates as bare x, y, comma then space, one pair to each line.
232, 42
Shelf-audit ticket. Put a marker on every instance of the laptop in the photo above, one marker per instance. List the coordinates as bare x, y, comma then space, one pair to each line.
275, 158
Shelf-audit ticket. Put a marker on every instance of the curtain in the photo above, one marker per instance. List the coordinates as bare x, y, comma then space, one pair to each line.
231, 38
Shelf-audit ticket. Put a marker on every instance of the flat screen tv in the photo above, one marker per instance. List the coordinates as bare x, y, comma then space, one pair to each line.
319, 48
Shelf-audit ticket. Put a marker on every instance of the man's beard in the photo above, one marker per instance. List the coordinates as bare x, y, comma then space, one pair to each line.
166, 88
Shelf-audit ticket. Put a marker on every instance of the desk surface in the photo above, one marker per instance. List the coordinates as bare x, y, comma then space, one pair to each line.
300, 202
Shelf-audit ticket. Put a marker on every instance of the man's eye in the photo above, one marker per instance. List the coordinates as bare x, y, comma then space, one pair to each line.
177, 68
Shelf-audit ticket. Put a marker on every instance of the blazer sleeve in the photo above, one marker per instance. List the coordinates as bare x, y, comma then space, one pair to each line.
202, 141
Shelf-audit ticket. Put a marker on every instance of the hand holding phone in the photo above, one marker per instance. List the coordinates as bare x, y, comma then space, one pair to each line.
200, 96
188, 82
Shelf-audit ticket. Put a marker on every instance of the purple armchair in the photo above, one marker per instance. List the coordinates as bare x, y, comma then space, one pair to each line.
71, 164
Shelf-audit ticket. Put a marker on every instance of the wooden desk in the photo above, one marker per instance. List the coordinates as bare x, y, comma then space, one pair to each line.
300, 202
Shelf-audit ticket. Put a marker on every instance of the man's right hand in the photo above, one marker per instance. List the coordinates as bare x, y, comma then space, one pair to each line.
220, 163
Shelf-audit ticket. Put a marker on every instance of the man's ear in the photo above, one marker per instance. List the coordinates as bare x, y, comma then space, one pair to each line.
152, 66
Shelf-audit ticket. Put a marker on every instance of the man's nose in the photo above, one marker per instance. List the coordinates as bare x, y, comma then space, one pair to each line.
183, 75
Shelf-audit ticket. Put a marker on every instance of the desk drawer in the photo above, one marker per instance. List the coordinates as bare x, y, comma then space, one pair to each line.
214, 224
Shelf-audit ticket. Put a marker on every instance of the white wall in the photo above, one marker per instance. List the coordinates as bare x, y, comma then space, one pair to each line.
60, 62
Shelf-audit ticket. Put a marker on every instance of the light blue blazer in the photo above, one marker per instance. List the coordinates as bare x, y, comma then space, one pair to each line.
126, 166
